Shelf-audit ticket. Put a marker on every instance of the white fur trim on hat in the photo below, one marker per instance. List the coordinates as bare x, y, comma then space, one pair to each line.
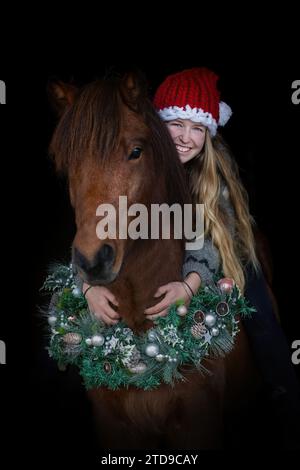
194, 114
225, 113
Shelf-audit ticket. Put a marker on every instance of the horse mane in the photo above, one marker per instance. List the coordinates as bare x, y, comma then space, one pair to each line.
92, 126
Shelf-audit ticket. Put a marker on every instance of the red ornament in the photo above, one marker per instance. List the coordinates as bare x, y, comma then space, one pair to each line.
226, 284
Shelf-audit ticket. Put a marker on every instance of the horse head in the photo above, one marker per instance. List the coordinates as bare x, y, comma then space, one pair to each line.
110, 142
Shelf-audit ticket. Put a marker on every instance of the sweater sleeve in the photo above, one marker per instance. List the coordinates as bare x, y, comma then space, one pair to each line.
206, 261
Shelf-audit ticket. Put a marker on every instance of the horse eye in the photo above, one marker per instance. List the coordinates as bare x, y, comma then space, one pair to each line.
136, 153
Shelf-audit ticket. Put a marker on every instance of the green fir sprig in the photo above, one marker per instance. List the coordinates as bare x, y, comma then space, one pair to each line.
115, 357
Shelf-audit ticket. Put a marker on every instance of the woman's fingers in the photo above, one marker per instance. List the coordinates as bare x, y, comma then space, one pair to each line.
160, 314
110, 296
105, 318
161, 290
158, 308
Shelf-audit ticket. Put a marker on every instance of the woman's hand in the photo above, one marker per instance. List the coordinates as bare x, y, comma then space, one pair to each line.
173, 291
98, 298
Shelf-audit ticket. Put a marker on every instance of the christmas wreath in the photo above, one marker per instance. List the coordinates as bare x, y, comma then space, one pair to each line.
115, 357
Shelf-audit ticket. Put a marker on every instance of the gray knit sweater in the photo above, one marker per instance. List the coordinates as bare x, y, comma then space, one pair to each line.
206, 261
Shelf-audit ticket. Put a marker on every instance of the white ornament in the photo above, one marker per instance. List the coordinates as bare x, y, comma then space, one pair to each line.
181, 310
88, 341
138, 369
210, 320
97, 340
76, 292
152, 336
52, 320
215, 331
207, 338
160, 357
152, 350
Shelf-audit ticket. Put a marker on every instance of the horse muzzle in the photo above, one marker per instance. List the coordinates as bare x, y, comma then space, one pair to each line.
97, 270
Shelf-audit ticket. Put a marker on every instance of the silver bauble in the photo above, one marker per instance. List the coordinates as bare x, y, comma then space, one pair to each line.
152, 350
52, 320
215, 331
160, 357
181, 310
97, 340
76, 292
210, 320
88, 341
138, 369
152, 336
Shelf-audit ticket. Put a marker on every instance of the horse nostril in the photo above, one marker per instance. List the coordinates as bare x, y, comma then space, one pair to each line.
105, 254
99, 265
80, 260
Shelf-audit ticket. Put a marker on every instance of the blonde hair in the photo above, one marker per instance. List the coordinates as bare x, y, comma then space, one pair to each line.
206, 173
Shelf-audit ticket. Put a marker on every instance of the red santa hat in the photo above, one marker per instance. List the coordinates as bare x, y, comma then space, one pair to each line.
192, 94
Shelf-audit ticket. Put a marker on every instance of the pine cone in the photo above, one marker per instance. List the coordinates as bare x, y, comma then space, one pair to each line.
198, 330
134, 358
72, 338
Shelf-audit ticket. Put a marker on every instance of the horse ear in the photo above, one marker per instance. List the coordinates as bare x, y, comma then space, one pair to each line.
61, 95
134, 86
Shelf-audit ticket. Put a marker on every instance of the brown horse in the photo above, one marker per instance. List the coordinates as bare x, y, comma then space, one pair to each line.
110, 142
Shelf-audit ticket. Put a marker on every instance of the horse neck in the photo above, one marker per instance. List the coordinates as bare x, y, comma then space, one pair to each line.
148, 265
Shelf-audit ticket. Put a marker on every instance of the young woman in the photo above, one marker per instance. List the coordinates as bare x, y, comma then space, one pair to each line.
189, 103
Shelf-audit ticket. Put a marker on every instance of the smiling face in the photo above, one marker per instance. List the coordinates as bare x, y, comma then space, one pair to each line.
188, 136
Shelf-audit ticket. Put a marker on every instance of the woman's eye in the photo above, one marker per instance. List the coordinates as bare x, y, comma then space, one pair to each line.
136, 153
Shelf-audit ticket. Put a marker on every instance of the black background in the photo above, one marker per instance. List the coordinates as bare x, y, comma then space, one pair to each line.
37, 221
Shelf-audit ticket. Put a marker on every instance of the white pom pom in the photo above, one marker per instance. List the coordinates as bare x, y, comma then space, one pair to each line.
225, 113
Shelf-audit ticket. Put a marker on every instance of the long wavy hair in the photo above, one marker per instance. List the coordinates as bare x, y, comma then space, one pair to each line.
206, 173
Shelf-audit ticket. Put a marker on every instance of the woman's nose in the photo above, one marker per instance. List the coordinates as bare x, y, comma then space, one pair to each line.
185, 135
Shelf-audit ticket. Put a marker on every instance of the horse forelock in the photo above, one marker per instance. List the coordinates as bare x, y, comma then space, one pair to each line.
93, 127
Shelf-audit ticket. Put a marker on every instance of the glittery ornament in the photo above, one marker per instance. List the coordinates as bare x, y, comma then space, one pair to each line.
160, 357
210, 320
152, 350
52, 320
138, 368
181, 310
226, 285
97, 340
152, 335
76, 292
215, 331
